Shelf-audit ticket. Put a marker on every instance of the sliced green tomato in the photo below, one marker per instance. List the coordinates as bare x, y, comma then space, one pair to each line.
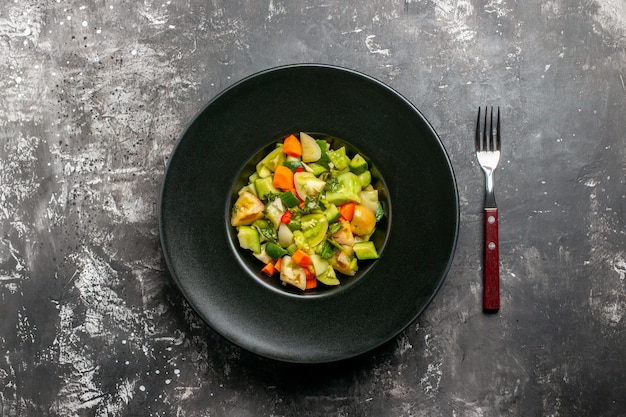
314, 228
311, 151
292, 273
307, 184
328, 277
319, 264
323, 271
300, 241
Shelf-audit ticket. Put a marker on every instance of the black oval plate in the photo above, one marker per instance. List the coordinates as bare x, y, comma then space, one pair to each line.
197, 193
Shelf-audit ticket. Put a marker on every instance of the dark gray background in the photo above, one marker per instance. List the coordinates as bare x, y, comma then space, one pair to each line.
93, 96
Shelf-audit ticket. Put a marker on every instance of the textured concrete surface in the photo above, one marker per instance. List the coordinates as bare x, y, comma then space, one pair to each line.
93, 97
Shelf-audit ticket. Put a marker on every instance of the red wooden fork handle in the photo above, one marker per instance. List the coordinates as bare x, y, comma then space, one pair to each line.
491, 266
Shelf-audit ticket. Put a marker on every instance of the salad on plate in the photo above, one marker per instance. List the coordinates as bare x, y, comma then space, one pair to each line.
308, 212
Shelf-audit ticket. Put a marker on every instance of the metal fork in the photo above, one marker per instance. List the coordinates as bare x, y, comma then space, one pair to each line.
488, 154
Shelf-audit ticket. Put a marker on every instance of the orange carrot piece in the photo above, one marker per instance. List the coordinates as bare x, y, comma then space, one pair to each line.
283, 178
292, 146
311, 283
269, 269
302, 258
278, 263
347, 210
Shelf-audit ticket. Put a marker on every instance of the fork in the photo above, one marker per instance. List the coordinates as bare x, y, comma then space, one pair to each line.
488, 154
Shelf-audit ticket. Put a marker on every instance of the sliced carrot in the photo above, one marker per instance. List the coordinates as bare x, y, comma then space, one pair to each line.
311, 283
292, 146
283, 178
347, 210
302, 258
269, 269
278, 263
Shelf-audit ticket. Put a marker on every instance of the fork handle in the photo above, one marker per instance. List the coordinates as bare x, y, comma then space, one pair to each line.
491, 266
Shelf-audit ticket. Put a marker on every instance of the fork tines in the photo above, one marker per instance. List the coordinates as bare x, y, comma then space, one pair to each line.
486, 140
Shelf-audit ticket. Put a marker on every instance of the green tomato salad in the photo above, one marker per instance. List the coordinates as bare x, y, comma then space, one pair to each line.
308, 212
